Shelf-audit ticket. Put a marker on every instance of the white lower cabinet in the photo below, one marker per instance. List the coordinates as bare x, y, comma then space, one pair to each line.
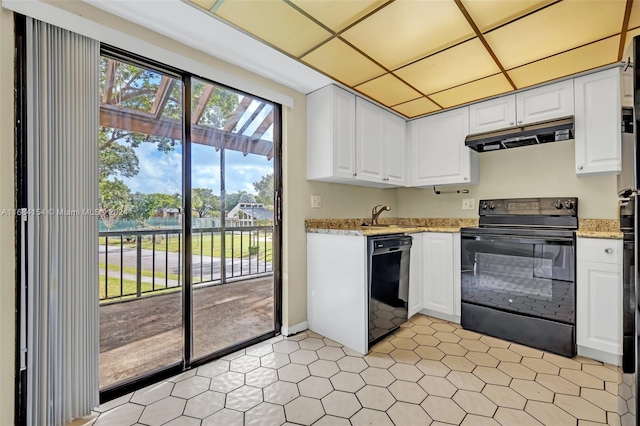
599, 299
337, 296
435, 266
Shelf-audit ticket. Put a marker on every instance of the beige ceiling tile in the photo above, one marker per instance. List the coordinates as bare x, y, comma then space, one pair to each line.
557, 28
205, 4
338, 14
407, 30
463, 63
584, 58
490, 14
340, 61
416, 107
274, 22
388, 90
634, 19
479, 89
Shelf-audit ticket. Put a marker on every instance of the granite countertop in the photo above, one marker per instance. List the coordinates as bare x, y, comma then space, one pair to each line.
599, 228
588, 228
397, 226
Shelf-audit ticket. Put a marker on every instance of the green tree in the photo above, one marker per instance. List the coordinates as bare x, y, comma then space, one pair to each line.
265, 190
233, 199
205, 202
114, 201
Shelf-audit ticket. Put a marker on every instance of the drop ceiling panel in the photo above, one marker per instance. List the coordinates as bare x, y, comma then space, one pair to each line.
205, 4
407, 30
341, 62
416, 107
388, 90
460, 64
634, 18
479, 89
490, 14
557, 28
585, 58
275, 22
337, 15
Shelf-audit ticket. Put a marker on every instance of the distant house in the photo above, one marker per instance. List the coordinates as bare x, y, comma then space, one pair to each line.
167, 212
248, 214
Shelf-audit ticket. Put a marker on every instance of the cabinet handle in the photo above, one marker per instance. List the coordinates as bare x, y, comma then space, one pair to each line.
579, 167
608, 250
511, 123
355, 174
465, 178
519, 121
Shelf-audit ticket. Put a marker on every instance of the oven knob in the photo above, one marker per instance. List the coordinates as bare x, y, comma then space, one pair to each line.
492, 206
557, 205
569, 205
483, 206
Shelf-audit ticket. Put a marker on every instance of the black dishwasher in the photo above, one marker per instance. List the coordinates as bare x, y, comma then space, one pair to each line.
388, 284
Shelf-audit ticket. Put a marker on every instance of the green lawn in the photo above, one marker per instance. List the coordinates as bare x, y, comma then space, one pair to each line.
145, 272
236, 245
128, 288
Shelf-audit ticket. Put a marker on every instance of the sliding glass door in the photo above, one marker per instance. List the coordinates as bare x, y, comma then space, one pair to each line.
232, 200
140, 182
188, 242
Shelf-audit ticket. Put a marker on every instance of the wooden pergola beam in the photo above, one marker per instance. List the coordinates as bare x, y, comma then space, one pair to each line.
237, 114
162, 95
148, 124
110, 81
196, 115
263, 127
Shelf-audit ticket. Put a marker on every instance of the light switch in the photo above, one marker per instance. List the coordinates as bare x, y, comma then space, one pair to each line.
316, 202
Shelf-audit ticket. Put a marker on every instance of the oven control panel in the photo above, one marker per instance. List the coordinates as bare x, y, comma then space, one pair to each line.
564, 206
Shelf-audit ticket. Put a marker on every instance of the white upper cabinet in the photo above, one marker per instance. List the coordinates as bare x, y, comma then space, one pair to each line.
331, 135
531, 106
438, 153
545, 103
598, 120
380, 145
491, 115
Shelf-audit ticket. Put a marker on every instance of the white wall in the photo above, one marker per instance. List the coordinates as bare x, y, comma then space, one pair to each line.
7, 235
534, 171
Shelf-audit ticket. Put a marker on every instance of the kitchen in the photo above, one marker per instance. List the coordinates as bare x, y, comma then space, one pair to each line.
539, 169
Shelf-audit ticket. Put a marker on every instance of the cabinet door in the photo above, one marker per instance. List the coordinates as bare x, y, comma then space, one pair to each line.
370, 140
492, 115
599, 306
416, 279
438, 153
438, 272
545, 103
395, 154
597, 124
343, 119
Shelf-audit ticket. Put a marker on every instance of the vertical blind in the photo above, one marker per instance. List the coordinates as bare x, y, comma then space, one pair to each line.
62, 226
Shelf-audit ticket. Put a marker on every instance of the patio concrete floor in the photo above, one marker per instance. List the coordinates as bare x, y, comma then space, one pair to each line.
145, 334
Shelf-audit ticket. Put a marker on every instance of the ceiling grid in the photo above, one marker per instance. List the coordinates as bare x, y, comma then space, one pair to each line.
418, 57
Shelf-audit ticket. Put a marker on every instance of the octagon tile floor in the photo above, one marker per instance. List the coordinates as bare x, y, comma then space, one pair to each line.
429, 371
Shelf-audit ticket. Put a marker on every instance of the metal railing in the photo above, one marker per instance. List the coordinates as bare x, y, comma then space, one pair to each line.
137, 263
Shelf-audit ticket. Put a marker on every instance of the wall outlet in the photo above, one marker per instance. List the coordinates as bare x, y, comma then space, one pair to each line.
316, 201
468, 204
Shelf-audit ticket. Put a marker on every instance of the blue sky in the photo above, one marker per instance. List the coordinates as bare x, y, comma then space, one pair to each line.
162, 173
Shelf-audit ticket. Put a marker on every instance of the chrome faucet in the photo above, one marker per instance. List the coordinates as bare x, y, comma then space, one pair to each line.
375, 213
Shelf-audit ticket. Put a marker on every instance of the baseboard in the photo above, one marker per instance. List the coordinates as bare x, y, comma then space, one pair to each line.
294, 329
599, 355
435, 314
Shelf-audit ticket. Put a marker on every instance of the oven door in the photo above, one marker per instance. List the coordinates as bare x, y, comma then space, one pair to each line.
532, 276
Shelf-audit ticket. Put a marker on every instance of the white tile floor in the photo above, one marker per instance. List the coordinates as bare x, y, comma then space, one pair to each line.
428, 372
